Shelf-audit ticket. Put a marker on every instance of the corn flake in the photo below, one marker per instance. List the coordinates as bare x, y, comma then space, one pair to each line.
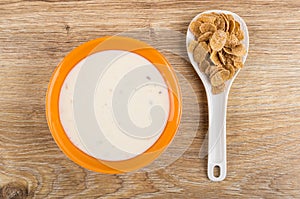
205, 36
218, 40
215, 58
199, 53
206, 46
207, 27
218, 89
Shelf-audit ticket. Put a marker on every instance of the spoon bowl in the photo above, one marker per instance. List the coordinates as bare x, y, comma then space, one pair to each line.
217, 105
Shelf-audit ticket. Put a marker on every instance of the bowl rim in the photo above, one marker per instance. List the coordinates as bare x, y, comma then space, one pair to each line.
70, 61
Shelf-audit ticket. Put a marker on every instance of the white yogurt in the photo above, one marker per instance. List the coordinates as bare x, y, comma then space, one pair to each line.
114, 105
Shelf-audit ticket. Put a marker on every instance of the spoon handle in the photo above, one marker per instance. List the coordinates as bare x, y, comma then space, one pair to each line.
217, 105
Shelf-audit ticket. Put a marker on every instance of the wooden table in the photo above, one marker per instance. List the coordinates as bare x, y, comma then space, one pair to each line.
263, 117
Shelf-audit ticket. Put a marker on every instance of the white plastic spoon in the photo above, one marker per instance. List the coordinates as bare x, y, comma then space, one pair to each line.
217, 105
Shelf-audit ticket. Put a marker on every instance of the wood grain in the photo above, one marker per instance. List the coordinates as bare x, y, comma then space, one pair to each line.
263, 117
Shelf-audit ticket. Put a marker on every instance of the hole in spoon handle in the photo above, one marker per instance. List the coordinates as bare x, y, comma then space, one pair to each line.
216, 172
217, 136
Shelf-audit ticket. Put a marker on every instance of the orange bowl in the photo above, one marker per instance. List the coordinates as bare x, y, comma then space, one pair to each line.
53, 94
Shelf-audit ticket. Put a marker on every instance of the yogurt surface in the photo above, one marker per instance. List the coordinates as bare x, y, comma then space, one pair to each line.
114, 105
